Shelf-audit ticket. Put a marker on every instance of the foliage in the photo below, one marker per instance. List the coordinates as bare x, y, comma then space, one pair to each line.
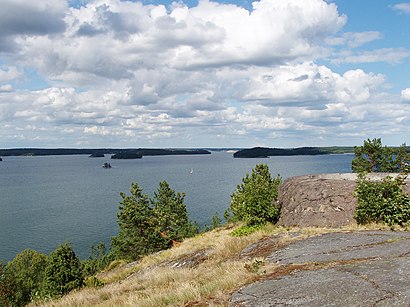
253, 200
97, 260
93, 282
246, 230
215, 223
170, 215
382, 201
255, 266
5, 292
63, 272
138, 235
24, 276
147, 226
374, 157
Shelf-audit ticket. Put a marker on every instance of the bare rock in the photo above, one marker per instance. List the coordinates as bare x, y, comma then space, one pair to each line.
324, 200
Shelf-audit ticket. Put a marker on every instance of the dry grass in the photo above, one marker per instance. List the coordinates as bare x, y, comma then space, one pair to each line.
151, 283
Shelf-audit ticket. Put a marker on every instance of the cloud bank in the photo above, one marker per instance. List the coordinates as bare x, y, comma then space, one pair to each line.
121, 73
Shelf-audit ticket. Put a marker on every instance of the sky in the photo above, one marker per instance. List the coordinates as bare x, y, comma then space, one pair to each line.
275, 73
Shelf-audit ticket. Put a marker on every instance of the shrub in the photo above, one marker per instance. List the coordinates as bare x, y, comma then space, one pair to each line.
246, 230
383, 201
24, 276
253, 200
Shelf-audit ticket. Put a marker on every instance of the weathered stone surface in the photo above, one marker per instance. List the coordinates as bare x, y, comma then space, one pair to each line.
320, 200
369, 268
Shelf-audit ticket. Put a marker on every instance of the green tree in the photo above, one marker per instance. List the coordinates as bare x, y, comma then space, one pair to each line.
24, 276
138, 235
374, 157
171, 215
63, 272
253, 200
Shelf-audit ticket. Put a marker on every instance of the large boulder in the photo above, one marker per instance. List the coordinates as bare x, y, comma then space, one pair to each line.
324, 200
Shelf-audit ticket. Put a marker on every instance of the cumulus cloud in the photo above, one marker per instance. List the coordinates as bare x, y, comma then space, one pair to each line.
19, 17
129, 74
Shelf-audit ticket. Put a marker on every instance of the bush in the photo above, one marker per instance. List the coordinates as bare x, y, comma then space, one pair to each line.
382, 202
63, 272
24, 276
253, 200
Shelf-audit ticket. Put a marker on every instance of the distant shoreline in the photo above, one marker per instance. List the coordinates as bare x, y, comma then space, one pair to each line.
99, 151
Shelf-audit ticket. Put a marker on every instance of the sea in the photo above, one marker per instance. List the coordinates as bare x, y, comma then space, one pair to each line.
49, 200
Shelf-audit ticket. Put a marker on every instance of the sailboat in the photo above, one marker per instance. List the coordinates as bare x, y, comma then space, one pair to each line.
191, 171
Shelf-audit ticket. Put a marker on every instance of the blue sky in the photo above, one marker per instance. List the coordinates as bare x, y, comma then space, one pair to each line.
277, 73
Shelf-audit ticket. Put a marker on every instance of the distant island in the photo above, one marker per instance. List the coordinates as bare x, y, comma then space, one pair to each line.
264, 152
127, 155
100, 152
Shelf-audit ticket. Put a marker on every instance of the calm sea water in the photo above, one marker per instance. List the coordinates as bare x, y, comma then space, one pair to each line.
45, 201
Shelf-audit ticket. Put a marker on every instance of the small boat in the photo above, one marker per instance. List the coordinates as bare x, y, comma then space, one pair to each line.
191, 171
106, 165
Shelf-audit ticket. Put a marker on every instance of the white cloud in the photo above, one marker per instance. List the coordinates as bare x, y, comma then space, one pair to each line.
127, 74
402, 7
355, 39
405, 94
9, 73
388, 55
6, 88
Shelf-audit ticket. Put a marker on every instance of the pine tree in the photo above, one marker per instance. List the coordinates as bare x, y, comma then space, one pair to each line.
63, 272
374, 157
138, 235
171, 215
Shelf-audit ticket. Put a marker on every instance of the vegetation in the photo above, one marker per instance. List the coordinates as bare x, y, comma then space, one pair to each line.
254, 200
382, 202
147, 226
24, 277
374, 157
263, 152
99, 259
155, 281
63, 272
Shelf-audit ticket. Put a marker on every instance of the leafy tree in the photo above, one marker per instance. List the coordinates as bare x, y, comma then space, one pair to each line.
138, 235
24, 276
382, 202
63, 272
171, 215
374, 157
253, 200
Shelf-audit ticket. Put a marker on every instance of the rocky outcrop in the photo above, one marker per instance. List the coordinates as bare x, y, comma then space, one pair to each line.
321, 200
